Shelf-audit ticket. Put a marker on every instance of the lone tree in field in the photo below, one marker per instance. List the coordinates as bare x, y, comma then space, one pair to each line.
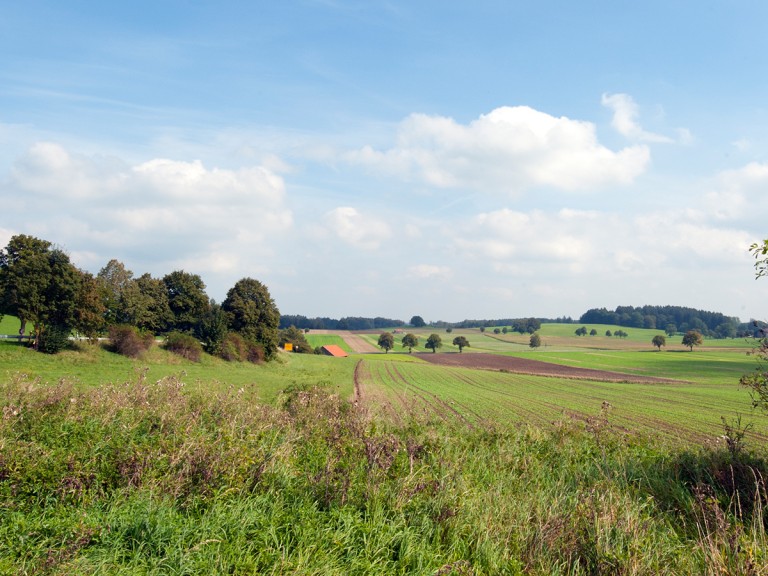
434, 342
386, 341
461, 342
692, 338
659, 341
410, 341
417, 322
535, 341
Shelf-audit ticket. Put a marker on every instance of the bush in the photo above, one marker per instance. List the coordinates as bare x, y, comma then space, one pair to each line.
54, 339
128, 341
235, 348
184, 345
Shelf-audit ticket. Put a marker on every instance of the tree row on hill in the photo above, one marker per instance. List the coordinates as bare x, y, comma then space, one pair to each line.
40, 285
671, 319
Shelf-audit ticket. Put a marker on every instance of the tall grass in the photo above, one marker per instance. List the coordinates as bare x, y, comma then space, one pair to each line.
151, 477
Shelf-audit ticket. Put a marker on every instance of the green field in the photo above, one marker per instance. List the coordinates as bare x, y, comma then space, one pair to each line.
316, 340
379, 464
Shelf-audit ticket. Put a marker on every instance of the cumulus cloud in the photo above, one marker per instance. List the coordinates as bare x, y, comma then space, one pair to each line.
158, 214
361, 231
506, 151
625, 113
424, 271
740, 194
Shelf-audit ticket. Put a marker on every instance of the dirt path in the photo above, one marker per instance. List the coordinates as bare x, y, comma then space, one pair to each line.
358, 344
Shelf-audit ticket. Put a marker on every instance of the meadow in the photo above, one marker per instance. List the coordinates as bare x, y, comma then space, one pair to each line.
380, 464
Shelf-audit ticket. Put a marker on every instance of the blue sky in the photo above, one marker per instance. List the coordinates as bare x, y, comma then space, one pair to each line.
447, 159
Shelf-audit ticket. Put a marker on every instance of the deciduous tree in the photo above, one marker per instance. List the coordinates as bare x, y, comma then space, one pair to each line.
386, 341
434, 342
692, 338
410, 341
252, 313
186, 298
417, 322
535, 341
461, 342
659, 340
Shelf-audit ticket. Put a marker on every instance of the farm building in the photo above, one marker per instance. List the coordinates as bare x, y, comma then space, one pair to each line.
334, 350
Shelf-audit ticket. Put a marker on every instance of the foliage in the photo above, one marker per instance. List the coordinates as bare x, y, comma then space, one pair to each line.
54, 339
114, 279
184, 345
212, 328
593, 332
296, 338
434, 342
90, 310
145, 304
410, 341
659, 340
581, 331
187, 299
712, 324
38, 284
692, 338
535, 341
252, 312
235, 348
608, 333
417, 322
386, 341
761, 264
128, 341
461, 342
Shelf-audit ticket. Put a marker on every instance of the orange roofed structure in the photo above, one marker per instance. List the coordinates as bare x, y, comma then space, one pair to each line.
334, 350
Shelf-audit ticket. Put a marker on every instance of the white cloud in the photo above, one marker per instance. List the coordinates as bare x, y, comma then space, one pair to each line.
359, 230
424, 271
506, 151
625, 113
155, 216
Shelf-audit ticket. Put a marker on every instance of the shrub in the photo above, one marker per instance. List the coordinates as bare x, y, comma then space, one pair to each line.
54, 339
128, 341
184, 345
233, 348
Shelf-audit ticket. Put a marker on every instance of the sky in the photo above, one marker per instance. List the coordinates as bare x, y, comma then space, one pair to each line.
452, 160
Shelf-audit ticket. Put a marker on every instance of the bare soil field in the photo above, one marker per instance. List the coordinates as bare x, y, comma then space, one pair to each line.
515, 365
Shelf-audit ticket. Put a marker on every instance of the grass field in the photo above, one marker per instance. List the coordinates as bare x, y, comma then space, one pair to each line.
316, 340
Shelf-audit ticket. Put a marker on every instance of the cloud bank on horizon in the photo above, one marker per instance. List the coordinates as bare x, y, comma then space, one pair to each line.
396, 199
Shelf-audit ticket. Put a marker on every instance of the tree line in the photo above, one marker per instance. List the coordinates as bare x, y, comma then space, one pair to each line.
671, 319
40, 285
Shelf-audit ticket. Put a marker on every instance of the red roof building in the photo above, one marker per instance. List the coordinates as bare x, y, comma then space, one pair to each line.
334, 350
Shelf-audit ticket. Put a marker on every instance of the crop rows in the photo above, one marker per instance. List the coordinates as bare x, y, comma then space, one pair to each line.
684, 412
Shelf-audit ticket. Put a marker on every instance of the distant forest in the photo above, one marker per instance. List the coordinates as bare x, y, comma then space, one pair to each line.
669, 319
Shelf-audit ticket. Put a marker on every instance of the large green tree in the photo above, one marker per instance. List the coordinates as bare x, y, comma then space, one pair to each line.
386, 341
417, 322
461, 342
186, 298
434, 342
115, 280
144, 304
252, 313
692, 338
89, 309
410, 341
659, 340
39, 284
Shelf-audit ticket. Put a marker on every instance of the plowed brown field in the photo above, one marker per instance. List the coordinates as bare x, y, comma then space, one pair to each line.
537, 367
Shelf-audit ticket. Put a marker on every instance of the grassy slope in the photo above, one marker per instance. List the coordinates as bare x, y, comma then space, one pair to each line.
92, 365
